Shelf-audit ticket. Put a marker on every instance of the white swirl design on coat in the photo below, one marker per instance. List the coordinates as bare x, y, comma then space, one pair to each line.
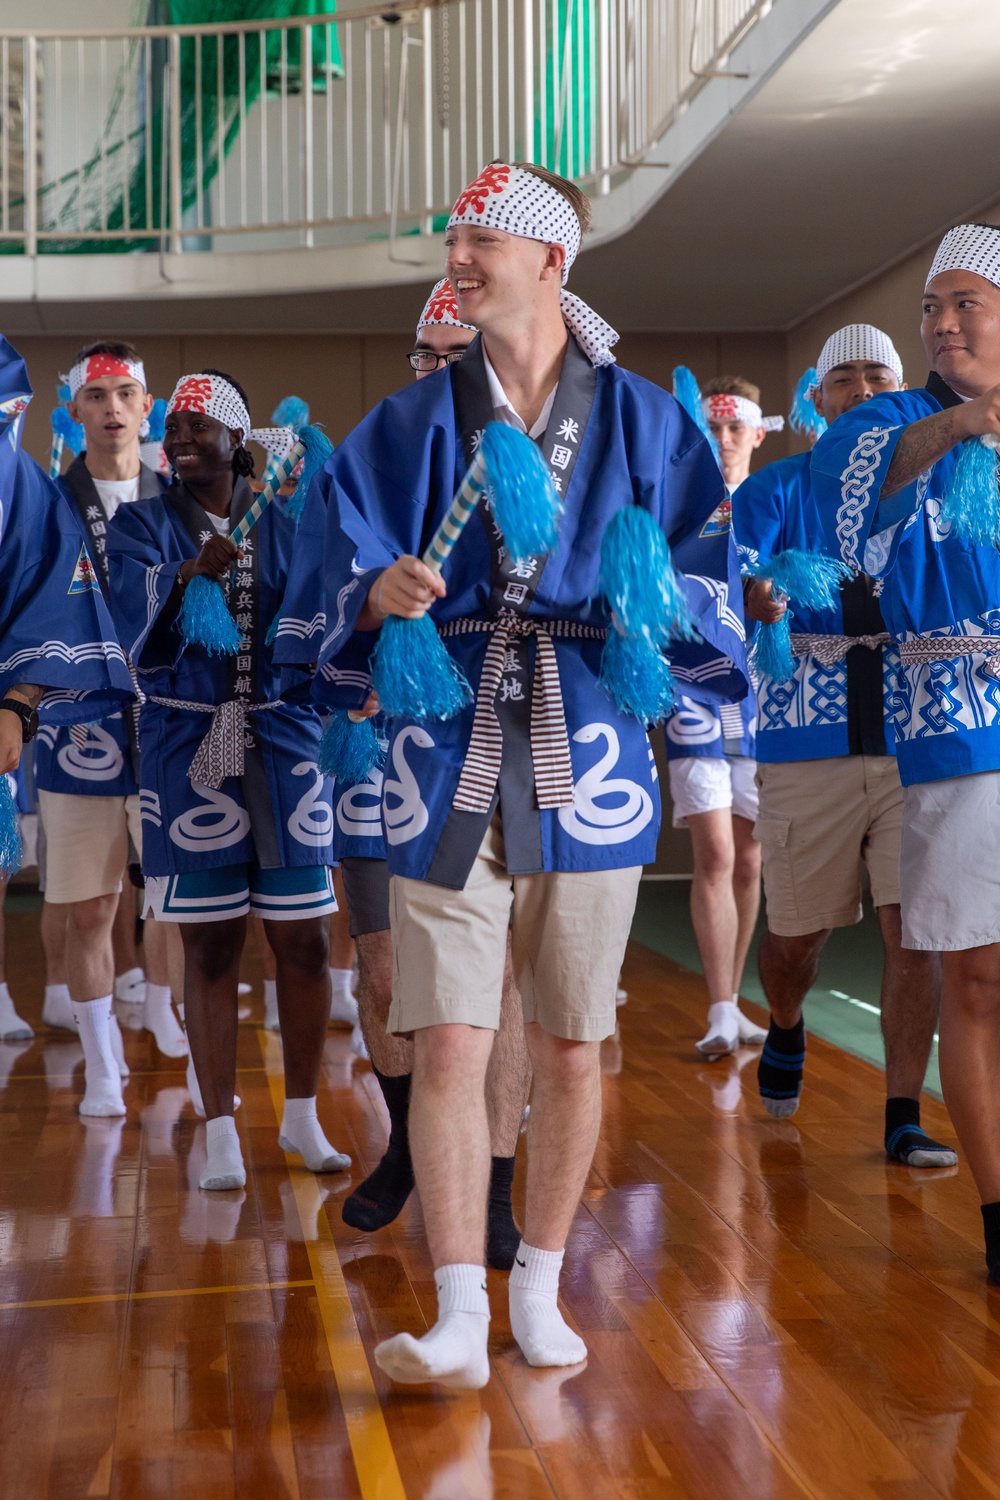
408, 818
591, 824
100, 759
311, 820
217, 823
693, 724
359, 810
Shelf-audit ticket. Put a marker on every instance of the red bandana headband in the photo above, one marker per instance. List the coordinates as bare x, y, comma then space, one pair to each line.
517, 202
97, 366
441, 310
727, 408
213, 396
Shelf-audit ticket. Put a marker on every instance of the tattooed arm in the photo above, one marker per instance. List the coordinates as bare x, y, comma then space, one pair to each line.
923, 443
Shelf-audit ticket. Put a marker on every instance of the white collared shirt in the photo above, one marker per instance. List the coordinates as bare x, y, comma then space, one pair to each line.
504, 412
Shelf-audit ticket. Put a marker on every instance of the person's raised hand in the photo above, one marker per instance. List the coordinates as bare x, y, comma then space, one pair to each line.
408, 589
761, 605
214, 561
980, 417
368, 711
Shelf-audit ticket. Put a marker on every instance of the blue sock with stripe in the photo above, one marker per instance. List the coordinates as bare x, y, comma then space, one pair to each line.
905, 1141
779, 1071
991, 1228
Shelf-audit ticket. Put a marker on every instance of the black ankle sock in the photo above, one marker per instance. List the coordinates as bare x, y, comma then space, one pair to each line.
502, 1234
380, 1198
991, 1228
906, 1142
779, 1072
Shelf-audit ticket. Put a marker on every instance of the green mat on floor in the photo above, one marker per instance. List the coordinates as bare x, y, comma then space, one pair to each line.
843, 1006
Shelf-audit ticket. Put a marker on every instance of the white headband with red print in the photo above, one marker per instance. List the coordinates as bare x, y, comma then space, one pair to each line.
441, 310
726, 408
97, 366
213, 396
517, 202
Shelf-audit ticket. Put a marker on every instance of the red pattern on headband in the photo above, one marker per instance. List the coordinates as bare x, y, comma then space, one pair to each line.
724, 409
492, 179
192, 394
99, 365
442, 307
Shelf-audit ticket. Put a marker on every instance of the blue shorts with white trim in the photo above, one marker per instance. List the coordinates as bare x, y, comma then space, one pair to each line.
217, 895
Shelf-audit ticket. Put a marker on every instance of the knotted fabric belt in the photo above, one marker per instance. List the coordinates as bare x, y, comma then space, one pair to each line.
221, 752
828, 650
925, 650
550, 757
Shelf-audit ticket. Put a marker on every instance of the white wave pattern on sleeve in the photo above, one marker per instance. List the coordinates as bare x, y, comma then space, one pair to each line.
855, 489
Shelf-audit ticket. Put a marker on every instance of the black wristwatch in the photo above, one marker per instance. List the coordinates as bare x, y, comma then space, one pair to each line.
27, 716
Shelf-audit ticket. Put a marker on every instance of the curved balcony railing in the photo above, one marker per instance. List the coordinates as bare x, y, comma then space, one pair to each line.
351, 126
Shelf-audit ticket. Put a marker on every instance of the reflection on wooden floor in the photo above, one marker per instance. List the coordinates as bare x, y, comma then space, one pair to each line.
771, 1309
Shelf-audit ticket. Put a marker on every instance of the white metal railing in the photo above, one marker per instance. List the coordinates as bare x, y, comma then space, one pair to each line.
350, 126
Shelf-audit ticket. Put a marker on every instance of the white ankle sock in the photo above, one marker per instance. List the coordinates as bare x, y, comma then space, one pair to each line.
454, 1351
749, 1031
723, 1030
12, 1028
118, 1044
358, 1044
57, 1007
343, 1006
535, 1320
131, 987
224, 1169
158, 1017
271, 1022
302, 1133
103, 1092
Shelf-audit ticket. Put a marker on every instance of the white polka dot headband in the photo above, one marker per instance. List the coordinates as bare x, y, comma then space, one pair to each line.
213, 396
441, 309
517, 202
726, 408
97, 366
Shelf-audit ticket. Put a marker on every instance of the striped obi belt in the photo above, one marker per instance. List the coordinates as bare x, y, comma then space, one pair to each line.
550, 756
923, 651
828, 650
222, 751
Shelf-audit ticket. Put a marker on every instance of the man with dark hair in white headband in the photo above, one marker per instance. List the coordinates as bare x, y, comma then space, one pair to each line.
87, 778
908, 490
830, 794
529, 822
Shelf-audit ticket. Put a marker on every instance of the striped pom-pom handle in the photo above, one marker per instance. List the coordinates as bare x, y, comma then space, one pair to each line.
469, 494
283, 471
55, 458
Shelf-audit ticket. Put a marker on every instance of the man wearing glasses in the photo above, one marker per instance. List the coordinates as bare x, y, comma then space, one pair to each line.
441, 338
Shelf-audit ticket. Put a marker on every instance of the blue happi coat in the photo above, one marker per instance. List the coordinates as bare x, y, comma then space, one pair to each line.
95, 759
385, 491
947, 712
55, 630
806, 718
278, 812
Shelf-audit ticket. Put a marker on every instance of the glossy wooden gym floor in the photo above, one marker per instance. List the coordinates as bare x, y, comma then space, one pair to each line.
771, 1309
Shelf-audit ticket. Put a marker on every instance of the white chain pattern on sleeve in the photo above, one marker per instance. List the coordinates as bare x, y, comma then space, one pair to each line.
855, 486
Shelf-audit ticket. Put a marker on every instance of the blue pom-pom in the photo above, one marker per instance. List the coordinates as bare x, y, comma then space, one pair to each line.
272, 630
291, 411
637, 677
204, 620
414, 676
156, 419
809, 579
804, 417
318, 450
771, 653
688, 392
349, 751
71, 432
525, 501
638, 580
64, 393
971, 502
10, 830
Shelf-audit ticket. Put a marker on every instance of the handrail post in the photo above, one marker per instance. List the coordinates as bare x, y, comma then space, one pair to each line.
604, 97
306, 95
427, 221
528, 80
176, 191
30, 56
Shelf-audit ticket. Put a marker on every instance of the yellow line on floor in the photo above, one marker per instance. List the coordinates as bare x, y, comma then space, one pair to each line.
375, 1463
181, 1291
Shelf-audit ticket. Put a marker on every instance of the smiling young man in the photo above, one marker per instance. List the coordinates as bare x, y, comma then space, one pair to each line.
830, 795
496, 815
87, 778
883, 475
